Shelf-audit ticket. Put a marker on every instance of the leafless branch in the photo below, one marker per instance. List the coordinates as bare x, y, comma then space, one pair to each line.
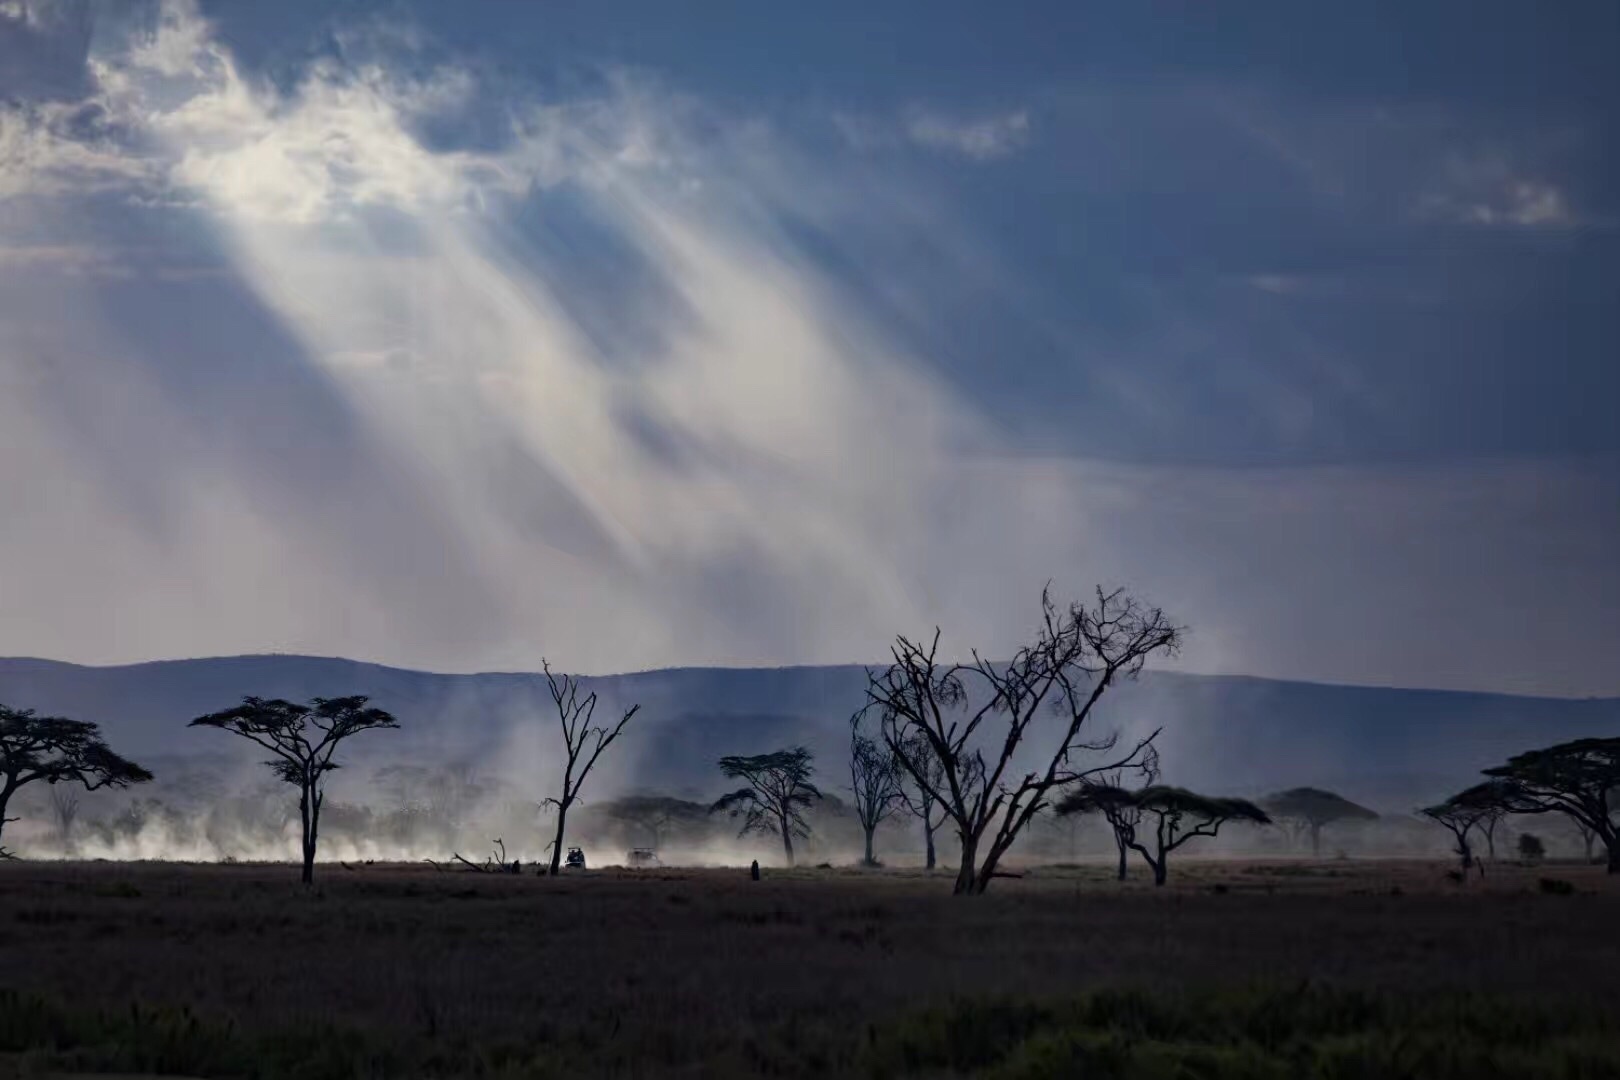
932, 711
583, 744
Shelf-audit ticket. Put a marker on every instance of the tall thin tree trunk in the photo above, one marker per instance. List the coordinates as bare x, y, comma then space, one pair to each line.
1124, 855
928, 844
870, 859
557, 844
787, 841
5, 798
308, 837
1161, 870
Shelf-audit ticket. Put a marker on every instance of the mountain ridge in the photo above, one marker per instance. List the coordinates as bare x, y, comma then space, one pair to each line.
1240, 734
705, 668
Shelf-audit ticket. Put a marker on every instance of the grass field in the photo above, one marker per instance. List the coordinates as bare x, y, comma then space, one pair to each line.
1237, 969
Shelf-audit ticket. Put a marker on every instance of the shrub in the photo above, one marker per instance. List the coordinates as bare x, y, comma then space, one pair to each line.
1254, 1034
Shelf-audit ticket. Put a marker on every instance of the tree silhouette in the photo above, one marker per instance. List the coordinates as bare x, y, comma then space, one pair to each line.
1492, 800
919, 797
654, 813
779, 791
53, 750
1588, 837
304, 739
874, 777
1312, 809
1078, 653
1172, 817
1459, 816
1579, 779
583, 744
1107, 795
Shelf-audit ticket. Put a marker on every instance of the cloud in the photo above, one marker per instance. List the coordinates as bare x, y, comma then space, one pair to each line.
1436, 163
1522, 203
796, 429
52, 148
979, 139
398, 430
1488, 190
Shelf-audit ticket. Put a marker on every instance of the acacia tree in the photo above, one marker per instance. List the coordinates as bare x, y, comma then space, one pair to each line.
874, 776
1311, 809
1173, 816
304, 739
53, 750
1107, 795
1492, 800
1078, 653
583, 744
654, 813
1580, 779
779, 791
1459, 816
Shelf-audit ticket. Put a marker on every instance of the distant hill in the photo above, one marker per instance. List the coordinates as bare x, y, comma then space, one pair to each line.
1389, 748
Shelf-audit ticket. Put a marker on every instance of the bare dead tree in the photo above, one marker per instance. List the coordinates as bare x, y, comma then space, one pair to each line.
874, 777
919, 798
583, 743
1078, 653
496, 863
304, 740
779, 791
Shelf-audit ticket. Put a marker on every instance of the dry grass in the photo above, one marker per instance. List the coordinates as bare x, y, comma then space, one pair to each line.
704, 972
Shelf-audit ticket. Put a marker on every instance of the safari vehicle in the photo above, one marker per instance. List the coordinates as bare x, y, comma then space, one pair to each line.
575, 859
642, 856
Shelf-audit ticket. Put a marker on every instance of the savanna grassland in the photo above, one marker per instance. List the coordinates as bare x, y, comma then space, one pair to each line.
1341, 969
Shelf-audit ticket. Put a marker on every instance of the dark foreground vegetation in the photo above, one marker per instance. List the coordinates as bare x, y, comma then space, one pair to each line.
1329, 969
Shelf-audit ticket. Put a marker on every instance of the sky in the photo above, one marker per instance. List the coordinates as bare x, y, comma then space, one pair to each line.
638, 335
